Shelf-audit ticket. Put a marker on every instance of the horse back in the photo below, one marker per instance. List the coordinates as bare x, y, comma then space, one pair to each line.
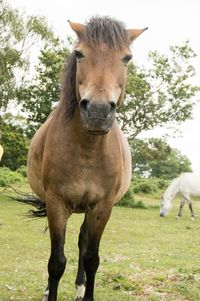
189, 183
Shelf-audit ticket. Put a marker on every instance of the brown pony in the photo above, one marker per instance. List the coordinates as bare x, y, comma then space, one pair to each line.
79, 160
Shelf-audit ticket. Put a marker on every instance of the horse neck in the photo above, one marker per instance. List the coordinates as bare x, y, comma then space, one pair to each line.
172, 190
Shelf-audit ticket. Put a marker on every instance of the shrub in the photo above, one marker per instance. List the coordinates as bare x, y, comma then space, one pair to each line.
129, 201
162, 183
15, 146
22, 171
8, 177
149, 185
145, 187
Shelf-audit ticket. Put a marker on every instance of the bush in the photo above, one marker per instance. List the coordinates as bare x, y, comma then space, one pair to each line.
22, 171
8, 177
129, 201
149, 185
15, 146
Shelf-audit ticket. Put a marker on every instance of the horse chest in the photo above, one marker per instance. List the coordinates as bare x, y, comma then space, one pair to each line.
85, 174
89, 185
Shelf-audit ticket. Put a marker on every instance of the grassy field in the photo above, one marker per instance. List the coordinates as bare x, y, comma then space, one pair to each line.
143, 256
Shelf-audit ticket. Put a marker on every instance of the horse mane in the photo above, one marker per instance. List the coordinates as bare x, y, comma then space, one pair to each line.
172, 185
99, 30
106, 30
68, 99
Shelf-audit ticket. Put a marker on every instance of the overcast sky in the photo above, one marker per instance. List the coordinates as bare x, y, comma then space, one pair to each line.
170, 22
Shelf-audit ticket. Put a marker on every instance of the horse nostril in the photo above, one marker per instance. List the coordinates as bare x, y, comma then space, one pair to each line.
84, 104
112, 105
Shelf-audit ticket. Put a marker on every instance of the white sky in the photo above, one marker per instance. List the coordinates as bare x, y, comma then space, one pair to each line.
170, 22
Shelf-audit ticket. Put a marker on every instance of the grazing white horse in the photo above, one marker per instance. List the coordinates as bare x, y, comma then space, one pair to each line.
186, 184
1, 152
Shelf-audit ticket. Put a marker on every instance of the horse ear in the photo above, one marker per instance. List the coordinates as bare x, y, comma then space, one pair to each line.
134, 33
77, 28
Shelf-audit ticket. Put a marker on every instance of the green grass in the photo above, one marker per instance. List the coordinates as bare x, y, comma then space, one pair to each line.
143, 256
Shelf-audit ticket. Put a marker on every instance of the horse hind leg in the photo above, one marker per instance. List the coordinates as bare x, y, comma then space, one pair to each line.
189, 202
191, 209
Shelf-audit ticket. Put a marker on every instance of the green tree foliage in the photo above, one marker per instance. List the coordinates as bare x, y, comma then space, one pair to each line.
160, 94
15, 146
41, 95
155, 158
18, 34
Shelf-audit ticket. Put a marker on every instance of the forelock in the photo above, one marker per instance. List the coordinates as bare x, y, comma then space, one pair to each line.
106, 30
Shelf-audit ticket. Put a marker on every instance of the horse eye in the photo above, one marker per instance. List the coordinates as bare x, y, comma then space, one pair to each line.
78, 54
127, 58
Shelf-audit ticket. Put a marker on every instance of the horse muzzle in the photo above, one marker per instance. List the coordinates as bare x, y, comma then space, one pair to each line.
162, 215
97, 118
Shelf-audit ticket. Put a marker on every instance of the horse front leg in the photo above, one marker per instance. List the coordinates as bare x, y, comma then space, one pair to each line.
57, 218
181, 208
189, 202
94, 225
80, 278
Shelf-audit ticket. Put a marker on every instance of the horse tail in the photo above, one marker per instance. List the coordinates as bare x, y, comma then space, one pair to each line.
35, 202
41, 210
29, 199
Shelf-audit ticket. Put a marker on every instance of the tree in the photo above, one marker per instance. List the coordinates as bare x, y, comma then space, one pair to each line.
155, 158
20, 37
41, 95
18, 34
162, 94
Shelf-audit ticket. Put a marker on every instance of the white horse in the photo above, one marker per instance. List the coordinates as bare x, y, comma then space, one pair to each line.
1, 152
186, 184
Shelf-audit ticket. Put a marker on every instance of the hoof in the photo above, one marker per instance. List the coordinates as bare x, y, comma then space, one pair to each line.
178, 217
192, 218
80, 292
45, 296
